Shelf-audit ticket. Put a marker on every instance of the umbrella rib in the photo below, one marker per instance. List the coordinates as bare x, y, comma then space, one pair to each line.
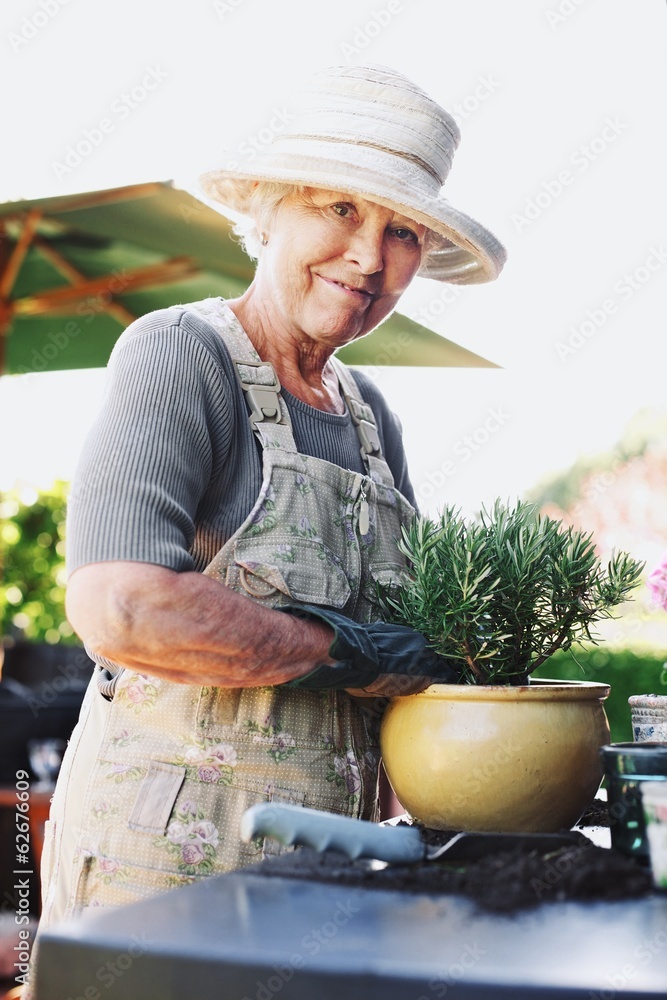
73, 275
19, 252
143, 277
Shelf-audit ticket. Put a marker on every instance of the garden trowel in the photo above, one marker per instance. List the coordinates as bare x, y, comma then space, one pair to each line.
358, 838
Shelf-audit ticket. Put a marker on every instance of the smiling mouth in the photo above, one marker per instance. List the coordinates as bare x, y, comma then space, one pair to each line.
360, 292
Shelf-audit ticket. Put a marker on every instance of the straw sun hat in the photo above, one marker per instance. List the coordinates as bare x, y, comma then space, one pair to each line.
370, 131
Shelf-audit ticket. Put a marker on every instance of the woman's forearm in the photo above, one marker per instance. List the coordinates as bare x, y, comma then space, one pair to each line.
189, 628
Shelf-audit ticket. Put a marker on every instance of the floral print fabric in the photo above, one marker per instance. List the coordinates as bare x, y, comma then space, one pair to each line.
224, 749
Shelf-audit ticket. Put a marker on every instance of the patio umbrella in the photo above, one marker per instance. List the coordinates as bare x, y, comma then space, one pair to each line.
76, 270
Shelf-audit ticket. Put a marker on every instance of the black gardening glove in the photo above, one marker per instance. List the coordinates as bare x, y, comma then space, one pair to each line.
365, 651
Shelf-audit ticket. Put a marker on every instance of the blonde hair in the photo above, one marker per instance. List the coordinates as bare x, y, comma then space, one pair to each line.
263, 204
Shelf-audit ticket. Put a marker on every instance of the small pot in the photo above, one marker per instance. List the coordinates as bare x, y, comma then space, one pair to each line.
649, 717
654, 800
626, 766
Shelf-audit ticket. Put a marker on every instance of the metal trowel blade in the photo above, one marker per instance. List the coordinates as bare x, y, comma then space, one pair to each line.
474, 846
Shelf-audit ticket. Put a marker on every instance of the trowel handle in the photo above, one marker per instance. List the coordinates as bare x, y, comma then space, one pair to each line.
325, 831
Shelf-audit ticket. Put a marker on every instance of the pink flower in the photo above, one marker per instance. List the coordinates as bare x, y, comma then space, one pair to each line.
208, 772
340, 766
177, 832
353, 781
224, 753
205, 832
195, 755
657, 583
193, 854
135, 693
347, 768
108, 865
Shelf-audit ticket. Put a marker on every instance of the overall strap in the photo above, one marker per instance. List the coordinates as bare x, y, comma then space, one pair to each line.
363, 419
269, 417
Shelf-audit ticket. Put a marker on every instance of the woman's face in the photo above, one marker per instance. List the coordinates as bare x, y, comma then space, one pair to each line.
336, 265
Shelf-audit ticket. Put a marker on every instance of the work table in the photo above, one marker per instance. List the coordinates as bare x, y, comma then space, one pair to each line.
243, 936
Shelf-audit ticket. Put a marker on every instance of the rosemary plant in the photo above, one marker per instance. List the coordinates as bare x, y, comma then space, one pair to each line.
499, 596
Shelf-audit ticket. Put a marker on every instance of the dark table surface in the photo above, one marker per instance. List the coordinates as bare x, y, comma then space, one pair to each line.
246, 937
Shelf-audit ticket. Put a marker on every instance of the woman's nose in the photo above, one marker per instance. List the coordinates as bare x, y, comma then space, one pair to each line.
366, 249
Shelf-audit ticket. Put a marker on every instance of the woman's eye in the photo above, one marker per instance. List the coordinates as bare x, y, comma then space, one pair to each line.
406, 235
342, 209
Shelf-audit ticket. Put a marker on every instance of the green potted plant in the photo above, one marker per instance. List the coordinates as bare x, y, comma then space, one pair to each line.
496, 598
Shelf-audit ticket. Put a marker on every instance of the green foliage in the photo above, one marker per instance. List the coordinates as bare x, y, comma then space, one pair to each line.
32, 553
500, 596
628, 672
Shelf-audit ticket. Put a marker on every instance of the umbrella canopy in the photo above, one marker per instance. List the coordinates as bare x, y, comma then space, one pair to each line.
76, 270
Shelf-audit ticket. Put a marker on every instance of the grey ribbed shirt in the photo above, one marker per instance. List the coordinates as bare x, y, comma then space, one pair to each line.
171, 467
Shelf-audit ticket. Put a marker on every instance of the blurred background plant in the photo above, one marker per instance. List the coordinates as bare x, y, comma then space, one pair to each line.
32, 556
627, 671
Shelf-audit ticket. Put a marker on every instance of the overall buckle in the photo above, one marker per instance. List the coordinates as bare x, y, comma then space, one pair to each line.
263, 400
367, 432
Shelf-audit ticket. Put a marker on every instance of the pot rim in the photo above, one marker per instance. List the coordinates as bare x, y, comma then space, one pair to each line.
647, 700
540, 689
632, 749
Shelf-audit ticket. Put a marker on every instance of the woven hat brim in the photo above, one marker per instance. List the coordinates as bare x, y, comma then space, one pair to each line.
468, 253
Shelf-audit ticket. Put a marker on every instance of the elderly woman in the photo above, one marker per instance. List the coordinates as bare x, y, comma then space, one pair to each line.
237, 501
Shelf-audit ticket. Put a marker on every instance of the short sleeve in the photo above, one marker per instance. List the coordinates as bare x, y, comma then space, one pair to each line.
148, 458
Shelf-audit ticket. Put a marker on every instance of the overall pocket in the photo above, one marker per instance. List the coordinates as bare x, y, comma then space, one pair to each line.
274, 570
298, 569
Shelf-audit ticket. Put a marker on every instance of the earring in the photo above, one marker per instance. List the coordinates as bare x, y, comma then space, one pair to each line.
264, 238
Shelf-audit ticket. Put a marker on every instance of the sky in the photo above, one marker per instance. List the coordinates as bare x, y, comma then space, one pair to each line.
561, 108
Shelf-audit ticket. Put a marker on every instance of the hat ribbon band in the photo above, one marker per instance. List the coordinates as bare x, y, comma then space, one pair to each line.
373, 145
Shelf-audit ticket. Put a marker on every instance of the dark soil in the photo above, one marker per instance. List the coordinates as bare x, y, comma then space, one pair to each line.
502, 882
597, 814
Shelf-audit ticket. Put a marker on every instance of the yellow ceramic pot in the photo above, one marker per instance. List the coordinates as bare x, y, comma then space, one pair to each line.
509, 759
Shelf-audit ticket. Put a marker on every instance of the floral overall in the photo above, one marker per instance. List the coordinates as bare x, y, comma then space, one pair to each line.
158, 775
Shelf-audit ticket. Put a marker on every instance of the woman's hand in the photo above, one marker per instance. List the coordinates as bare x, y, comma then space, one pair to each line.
189, 628
392, 686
